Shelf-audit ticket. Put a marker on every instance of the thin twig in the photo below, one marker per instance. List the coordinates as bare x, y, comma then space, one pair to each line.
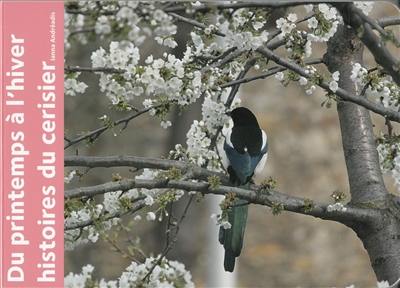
172, 243
81, 31
271, 71
94, 134
375, 24
169, 223
119, 249
72, 69
194, 23
88, 13
224, 54
235, 88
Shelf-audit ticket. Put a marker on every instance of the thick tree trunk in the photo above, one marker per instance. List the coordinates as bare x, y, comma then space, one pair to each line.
381, 237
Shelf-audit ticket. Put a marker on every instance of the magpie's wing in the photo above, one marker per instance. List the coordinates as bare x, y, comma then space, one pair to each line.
241, 163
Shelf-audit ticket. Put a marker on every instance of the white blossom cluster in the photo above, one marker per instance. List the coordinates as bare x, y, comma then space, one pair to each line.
333, 85
307, 84
364, 6
165, 79
102, 26
235, 36
382, 88
70, 175
388, 92
245, 40
72, 85
198, 144
80, 280
286, 25
387, 152
167, 274
73, 24
123, 56
213, 113
113, 202
324, 24
165, 28
336, 207
128, 21
389, 158
84, 235
132, 21
124, 18
358, 75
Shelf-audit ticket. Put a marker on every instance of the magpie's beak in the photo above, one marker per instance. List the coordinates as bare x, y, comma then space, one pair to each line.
229, 113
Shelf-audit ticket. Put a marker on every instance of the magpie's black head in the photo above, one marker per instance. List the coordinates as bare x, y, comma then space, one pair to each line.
243, 117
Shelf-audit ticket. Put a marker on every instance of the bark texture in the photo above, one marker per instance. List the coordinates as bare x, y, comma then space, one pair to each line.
381, 235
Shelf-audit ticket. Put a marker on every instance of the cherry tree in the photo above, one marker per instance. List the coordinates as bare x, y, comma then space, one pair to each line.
228, 39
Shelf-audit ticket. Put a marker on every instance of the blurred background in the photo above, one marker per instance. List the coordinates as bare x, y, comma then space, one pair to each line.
305, 157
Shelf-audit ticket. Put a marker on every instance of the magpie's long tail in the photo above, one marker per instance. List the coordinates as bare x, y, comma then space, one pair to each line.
232, 238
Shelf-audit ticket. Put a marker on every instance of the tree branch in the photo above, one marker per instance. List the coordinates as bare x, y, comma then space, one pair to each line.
343, 94
271, 71
254, 194
375, 25
389, 21
71, 69
247, 4
140, 163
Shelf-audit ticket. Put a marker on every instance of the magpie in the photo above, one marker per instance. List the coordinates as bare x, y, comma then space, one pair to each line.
244, 153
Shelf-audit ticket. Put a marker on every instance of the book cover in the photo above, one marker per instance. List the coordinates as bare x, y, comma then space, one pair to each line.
199, 144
